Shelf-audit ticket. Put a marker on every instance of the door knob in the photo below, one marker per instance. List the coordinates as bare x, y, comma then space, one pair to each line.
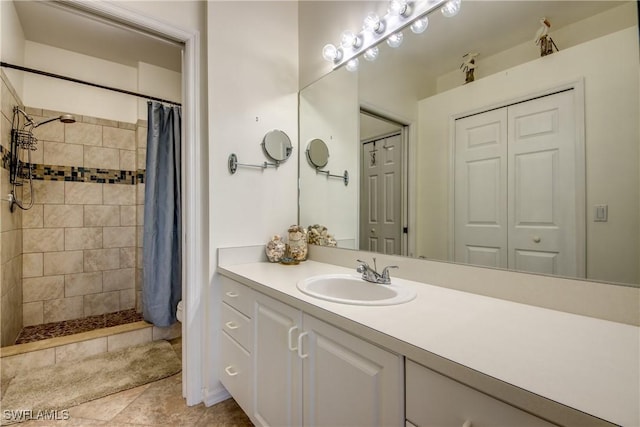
537, 239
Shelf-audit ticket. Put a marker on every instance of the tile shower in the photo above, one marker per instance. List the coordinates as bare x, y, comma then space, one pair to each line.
78, 251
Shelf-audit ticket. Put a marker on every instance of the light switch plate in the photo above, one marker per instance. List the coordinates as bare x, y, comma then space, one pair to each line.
601, 213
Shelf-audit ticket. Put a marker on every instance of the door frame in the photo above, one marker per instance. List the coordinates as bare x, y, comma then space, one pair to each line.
194, 198
580, 174
408, 218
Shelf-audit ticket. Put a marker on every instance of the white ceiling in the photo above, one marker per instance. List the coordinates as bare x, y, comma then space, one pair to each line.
70, 29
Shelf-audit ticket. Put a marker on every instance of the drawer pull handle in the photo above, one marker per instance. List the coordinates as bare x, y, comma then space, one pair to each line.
290, 340
300, 337
231, 325
232, 294
230, 371
467, 423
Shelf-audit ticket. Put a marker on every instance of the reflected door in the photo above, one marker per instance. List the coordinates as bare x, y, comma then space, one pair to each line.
381, 195
516, 187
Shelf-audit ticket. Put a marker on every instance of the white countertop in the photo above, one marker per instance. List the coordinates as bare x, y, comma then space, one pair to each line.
588, 364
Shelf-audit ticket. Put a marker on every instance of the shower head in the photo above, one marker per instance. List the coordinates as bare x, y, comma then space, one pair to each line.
65, 118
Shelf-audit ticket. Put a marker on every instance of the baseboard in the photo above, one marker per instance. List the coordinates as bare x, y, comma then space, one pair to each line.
211, 397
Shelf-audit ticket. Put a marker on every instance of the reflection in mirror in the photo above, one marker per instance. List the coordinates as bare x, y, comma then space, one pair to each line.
277, 146
317, 153
421, 84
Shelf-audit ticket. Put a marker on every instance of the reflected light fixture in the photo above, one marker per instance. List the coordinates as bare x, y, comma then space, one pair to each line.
400, 14
352, 65
371, 54
451, 8
373, 24
395, 40
419, 26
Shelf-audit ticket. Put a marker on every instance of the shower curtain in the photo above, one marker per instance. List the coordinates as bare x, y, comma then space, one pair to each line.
162, 246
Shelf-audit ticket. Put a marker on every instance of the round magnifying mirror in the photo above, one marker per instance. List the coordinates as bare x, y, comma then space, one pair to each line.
318, 153
277, 146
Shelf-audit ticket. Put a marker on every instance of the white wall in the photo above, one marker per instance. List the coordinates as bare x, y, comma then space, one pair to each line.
12, 43
609, 66
253, 84
323, 108
157, 82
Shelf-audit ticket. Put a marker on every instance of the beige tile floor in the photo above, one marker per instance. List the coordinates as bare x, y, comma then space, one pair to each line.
156, 404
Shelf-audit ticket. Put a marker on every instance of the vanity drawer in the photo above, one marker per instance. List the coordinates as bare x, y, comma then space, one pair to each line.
237, 325
237, 296
235, 372
435, 400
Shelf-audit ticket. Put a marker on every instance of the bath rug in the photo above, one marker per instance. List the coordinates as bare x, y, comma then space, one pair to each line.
49, 390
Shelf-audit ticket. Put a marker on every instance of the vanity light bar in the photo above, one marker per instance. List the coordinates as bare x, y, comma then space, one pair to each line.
391, 23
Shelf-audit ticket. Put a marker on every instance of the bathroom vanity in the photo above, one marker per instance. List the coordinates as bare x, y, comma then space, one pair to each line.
446, 358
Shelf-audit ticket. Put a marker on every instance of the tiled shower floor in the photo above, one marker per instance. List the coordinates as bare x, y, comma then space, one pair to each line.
70, 327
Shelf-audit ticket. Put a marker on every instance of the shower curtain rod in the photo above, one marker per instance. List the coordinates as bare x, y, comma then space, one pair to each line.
71, 79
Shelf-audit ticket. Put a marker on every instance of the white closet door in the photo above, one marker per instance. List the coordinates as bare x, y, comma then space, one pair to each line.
480, 223
542, 186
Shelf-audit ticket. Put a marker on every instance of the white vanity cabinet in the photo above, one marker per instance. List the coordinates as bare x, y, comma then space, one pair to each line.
435, 400
236, 341
303, 371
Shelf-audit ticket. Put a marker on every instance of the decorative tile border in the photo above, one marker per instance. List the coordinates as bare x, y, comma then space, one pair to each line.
79, 174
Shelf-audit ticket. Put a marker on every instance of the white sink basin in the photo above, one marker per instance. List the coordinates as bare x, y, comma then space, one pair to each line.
351, 289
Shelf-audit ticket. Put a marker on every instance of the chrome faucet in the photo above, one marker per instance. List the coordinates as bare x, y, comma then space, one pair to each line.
371, 274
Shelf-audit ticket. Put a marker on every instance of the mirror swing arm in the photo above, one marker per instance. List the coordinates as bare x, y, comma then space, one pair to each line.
232, 164
276, 145
344, 176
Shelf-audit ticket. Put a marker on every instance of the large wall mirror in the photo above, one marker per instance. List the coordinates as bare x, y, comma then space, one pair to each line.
589, 88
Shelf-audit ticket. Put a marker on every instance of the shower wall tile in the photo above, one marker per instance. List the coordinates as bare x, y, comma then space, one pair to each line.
99, 121
129, 339
82, 238
128, 215
127, 299
32, 265
119, 195
43, 240
127, 257
128, 160
118, 138
43, 288
101, 216
82, 193
11, 245
142, 158
61, 154
116, 280
128, 126
63, 309
140, 188
80, 350
48, 191
106, 302
5, 132
84, 134
82, 284
33, 313
141, 136
98, 157
63, 262
52, 131
101, 259
63, 215
118, 237
34, 217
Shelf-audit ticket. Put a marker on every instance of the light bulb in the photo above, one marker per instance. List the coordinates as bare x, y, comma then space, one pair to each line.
419, 26
371, 54
352, 65
395, 40
348, 39
373, 24
451, 8
331, 53
399, 8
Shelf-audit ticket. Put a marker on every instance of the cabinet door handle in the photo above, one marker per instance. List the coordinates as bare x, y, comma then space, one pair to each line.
232, 294
467, 423
300, 337
230, 371
290, 338
231, 325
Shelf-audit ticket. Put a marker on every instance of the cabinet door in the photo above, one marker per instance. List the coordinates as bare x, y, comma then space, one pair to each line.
277, 367
348, 381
